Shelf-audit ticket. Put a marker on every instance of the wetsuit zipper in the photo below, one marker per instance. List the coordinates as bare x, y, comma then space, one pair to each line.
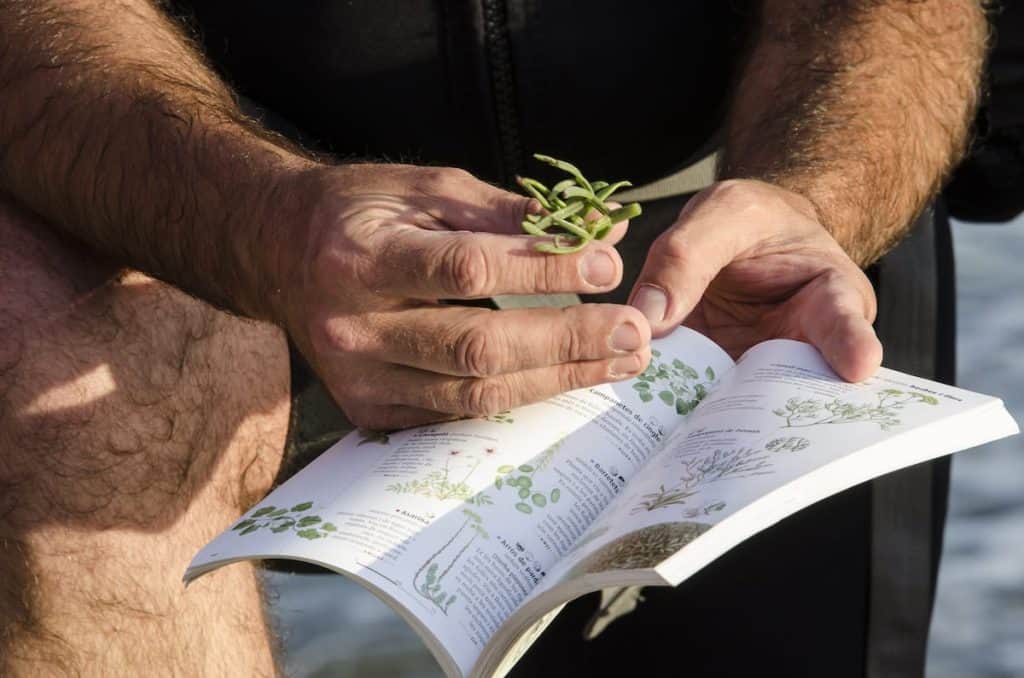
499, 58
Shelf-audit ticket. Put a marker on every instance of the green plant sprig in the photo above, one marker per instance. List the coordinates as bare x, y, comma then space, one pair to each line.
570, 207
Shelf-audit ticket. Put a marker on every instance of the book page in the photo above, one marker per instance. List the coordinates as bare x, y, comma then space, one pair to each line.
781, 414
455, 524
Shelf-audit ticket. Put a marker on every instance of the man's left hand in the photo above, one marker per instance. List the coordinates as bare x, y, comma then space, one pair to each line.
748, 261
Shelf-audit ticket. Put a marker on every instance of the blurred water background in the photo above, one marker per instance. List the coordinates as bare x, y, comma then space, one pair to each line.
331, 627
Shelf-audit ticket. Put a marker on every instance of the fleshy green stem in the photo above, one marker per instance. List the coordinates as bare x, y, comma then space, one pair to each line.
575, 208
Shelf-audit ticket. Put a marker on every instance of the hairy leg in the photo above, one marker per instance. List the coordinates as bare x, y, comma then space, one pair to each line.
135, 423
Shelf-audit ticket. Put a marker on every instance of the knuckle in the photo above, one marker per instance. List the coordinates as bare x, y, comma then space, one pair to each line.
558, 273
741, 197
570, 344
672, 246
479, 351
359, 393
731, 191
326, 264
334, 336
573, 376
464, 269
441, 180
483, 397
370, 418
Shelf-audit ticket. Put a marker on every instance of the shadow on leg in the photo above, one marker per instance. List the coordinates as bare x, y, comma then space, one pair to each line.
135, 423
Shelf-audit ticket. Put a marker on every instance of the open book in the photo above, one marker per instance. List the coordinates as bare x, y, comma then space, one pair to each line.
477, 532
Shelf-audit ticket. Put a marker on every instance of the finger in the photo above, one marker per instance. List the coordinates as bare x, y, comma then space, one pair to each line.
462, 201
478, 342
835, 318
475, 397
393, 417
717, 227
421, 264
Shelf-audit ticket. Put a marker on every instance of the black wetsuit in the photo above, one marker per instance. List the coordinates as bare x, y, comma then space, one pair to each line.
638, 90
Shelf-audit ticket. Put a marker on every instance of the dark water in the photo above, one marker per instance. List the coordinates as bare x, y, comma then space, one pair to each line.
331, 627
978, 627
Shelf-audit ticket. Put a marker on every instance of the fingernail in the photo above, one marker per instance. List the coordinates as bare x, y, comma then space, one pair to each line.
652, 302
598, 269
625, 337
624, 367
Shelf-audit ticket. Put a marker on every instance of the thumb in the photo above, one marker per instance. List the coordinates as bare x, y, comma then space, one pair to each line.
681, 264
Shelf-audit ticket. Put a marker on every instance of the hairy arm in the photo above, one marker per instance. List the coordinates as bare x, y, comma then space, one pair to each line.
113, 128
861, 106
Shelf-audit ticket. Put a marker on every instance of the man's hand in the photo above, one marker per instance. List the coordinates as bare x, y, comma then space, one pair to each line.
747, 261
360, 290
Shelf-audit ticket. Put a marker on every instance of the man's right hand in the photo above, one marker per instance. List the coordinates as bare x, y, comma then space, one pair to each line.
360, 287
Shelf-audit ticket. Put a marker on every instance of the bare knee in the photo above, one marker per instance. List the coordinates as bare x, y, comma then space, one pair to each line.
132, 418
119, 393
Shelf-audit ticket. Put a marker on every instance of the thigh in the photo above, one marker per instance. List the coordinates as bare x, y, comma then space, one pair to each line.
135, 422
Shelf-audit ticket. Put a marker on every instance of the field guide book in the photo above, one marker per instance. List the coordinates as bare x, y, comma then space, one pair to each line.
477, 532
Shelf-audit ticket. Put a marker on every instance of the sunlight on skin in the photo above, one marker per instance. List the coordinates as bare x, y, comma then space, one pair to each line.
86, 388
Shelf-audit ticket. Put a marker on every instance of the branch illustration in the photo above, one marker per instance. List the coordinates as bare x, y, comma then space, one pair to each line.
702, 470
884, 411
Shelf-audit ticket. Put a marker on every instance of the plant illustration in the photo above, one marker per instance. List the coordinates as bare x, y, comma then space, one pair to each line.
574, 207
676, 384
429, 578
279, 520
662, 498
791, 444
704, 510
366, 436
703, 470
438, 484
884, 411
504, 417
642, 548
519, 479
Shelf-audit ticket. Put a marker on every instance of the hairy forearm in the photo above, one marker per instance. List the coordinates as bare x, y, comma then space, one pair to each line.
115, 130
861, 106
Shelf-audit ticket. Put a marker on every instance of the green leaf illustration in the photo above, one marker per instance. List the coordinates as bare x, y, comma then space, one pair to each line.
667, 397
526, 468
506, 468
328, 527
310, 533
278, 529
556, 494
259, 513
244, 524
497, 482
646, 396
309, 520
278, 513
525, 508
709, 373
250, 529
524, 493
525, 482
539, 500
304, 506
641, 385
